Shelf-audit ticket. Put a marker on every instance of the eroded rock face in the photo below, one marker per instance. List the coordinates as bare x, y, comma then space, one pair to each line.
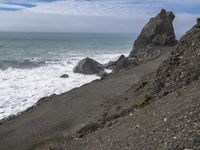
183, 66
159, 31
88, 66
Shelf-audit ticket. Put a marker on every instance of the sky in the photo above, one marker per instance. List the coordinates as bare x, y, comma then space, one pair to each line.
93, 16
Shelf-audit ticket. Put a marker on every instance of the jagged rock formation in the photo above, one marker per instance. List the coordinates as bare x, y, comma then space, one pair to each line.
183, 66
121, 63
88, 66
159, 31
112, 64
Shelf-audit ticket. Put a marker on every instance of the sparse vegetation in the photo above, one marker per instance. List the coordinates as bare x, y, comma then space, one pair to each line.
90, 127
141, 86
144, 102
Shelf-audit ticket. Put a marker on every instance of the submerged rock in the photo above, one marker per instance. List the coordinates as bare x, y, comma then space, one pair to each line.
88, 66
183, 66
65, 76
159, 31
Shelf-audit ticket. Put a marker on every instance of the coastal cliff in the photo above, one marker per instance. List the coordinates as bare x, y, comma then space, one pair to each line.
153, 105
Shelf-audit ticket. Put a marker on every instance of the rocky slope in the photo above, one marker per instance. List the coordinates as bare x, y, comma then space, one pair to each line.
183, 66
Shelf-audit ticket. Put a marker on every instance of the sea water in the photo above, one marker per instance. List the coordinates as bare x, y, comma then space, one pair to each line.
31, 64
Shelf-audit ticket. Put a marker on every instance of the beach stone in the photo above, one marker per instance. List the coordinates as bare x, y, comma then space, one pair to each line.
159, 31
182, 67
88, 66
65, 76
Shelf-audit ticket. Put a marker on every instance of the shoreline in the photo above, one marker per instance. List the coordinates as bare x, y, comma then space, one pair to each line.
90, 79
62, 115
42, 100
149, 101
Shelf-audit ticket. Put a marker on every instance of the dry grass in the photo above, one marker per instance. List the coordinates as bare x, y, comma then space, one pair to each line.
144, 102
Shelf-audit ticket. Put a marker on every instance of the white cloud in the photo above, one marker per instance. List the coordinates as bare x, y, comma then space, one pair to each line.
181, 2
27, 21
99, 8
92, 16
110, 7
11, 6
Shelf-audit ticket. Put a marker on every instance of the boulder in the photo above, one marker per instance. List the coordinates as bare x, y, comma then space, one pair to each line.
183, 65
88, 66
159, 31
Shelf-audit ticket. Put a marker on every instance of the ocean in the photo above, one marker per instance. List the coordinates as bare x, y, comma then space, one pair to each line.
31, 64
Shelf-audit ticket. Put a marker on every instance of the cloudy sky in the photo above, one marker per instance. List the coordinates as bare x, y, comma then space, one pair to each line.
124, 16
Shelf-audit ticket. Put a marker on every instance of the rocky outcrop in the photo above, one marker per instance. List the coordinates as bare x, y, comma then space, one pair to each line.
183, 66
88, 66
119, 64
159, 31
116, 64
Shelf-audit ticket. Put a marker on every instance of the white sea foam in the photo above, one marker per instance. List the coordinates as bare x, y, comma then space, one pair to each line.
22, 88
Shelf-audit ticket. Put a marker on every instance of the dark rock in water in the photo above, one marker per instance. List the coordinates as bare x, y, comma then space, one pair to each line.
65, 76
183, 66
159, 31
88, 66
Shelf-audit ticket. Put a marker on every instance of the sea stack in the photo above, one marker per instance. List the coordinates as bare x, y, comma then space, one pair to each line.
159, 31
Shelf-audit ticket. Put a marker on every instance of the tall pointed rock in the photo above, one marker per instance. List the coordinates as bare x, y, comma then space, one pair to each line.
159, 31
